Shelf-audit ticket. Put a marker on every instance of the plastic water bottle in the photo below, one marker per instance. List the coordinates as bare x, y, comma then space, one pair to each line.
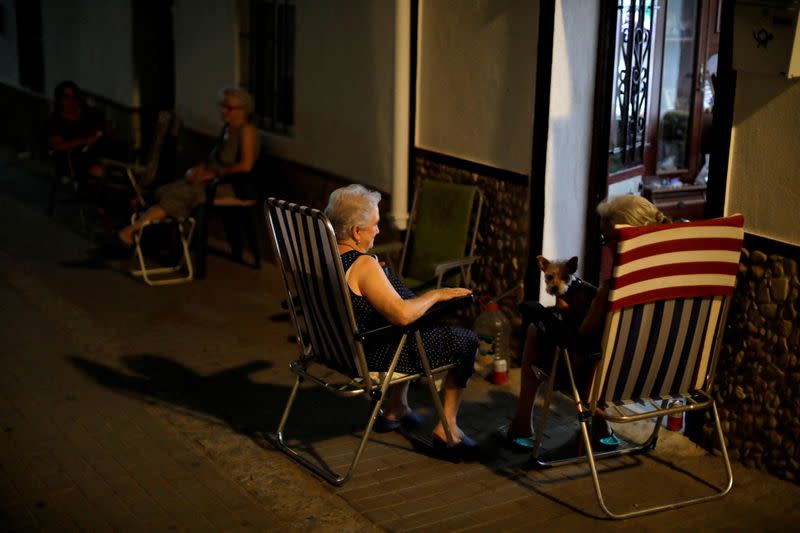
494, 336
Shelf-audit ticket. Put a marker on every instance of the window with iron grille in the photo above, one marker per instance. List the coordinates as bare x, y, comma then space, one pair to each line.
266, 60
632, 61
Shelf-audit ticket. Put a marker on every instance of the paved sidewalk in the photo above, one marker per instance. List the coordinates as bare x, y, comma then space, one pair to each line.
125, 407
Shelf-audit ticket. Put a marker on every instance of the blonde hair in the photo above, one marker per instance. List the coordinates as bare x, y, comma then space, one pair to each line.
631, 210
349, 207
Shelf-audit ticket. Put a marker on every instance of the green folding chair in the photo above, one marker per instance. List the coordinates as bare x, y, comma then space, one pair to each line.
439, 247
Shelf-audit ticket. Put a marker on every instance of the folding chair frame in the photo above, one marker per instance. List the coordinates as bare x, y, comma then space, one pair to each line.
375, 392
584, 415
696, 399
363, 384
536, 460
169, 275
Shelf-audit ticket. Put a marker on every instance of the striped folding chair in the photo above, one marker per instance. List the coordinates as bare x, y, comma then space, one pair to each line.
667, 308
330, 342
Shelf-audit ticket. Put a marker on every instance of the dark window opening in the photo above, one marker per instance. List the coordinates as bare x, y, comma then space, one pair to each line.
267, 43
29, 44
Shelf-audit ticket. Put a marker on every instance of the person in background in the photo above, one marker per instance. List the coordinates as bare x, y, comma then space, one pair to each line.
236, 152
74, 131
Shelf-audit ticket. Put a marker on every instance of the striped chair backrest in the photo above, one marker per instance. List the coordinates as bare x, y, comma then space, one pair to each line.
318, 297
667, 308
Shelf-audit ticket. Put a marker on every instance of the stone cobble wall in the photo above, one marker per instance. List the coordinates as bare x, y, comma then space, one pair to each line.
757, 384
502, 241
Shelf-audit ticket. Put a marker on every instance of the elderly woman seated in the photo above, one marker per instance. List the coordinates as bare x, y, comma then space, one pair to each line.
585, 337
236, 152
379, 299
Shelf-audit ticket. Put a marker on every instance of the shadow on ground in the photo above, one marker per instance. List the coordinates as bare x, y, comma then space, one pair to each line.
229, 396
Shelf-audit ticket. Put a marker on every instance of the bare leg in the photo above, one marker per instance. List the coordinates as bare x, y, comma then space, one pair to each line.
154, 213
398, 402
529, 383
451, 403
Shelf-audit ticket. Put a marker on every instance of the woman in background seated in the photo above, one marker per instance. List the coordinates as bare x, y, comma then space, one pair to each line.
73, 131
236, 152
379, 299
632, 211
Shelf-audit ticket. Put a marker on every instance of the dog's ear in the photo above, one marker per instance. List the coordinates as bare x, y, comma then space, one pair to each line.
543, 262
572, 265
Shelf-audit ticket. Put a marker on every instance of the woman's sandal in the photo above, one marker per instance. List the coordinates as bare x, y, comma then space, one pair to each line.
466, 449
411, 421
609, 442
520, 444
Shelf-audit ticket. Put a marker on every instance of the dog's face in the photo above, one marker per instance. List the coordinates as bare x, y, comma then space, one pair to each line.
557, 274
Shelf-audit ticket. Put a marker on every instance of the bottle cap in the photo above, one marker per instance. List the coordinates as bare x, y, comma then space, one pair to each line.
488, 303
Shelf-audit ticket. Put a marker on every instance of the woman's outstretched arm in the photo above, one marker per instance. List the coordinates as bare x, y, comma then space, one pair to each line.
368, 279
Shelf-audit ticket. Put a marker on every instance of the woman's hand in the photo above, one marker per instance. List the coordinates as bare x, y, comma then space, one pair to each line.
450, 293
199, 174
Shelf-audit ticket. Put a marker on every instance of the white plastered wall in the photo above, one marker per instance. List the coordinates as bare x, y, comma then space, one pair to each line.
344, 90
764, 169
570, 130
206, 51
90, 43
475, 80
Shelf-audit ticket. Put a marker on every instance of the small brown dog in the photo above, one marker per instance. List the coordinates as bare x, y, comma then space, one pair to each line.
573, 295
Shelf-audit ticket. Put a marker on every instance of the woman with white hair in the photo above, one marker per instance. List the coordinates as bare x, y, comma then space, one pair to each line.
379, 299
236, 152
630, 210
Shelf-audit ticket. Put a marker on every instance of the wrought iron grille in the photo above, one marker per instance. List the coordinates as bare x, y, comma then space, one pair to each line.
270, 42
635, 23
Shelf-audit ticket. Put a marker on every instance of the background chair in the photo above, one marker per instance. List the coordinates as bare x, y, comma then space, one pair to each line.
667, 310
94, 196
439, 245
332, 354
241, 214
66, 186
142, 176
141, 179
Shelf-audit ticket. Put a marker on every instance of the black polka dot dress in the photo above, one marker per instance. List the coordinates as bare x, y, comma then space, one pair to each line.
443, 344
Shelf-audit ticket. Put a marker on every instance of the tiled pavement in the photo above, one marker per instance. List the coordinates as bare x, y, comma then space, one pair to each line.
125, 407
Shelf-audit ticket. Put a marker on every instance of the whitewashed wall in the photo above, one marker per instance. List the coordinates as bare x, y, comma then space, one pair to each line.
570, 136
344, 90
90, 42
475, 84
206, 51
764, 169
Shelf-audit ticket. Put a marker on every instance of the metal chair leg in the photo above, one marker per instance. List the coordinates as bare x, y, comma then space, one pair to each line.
184, 262
437, 402
540, 425
721, 491
322, 470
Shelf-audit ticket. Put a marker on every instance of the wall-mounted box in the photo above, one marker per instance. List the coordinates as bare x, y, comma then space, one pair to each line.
766, 38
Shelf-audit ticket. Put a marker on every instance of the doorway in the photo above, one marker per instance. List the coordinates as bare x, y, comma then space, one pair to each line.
656, 90
662, 94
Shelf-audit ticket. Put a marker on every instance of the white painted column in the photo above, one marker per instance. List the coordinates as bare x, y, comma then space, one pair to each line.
402, 81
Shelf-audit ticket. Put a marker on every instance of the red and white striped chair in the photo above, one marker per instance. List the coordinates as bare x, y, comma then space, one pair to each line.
667, 308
